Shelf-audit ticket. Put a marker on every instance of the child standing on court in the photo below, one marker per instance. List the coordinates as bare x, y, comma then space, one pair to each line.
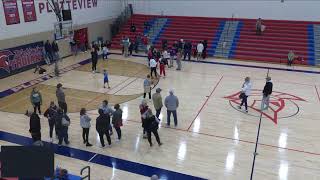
105, 79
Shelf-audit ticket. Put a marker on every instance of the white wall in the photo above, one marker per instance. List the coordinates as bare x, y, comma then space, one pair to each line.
105, 9
306, 10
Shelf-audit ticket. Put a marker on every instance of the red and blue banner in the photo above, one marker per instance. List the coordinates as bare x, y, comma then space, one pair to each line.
11, 11
29, 11
21, 58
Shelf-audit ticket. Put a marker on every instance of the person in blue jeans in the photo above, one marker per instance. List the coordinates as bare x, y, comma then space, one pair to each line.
172, 103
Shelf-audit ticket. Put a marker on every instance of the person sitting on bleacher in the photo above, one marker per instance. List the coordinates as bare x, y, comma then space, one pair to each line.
291, 57
259, 27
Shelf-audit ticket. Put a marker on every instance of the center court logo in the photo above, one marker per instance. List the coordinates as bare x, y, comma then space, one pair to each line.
282, 105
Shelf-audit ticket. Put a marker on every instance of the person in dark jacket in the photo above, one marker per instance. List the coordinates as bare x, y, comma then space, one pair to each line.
49, 113
117, 120
205, 46
35, 127
94, 59
152, 125
55, 50
102, 127
62, 121
267, 91
181, 45
131, 47
187, 50
48, 51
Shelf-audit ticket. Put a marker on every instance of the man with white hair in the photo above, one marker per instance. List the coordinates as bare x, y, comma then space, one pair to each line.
154, 177
172, 104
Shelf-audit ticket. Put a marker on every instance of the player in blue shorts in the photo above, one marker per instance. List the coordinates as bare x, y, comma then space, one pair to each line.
105, 79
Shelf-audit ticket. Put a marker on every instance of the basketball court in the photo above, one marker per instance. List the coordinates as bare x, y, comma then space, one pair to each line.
213, 139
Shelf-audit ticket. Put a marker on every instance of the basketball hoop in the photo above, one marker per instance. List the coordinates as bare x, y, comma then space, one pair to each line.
63, 30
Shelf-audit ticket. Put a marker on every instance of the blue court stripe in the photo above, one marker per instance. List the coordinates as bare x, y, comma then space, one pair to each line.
241, 65
112, 162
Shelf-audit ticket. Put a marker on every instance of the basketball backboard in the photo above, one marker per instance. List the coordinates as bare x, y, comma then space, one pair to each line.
63, 30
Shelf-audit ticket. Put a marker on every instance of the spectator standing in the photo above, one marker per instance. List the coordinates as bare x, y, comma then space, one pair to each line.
85, 124
204, 52
259, 27
187, 50
200, 48
172, 104
117, 120
181, 45
35, 127
162, 67
48, 51
147, 87
126, 44
143, 107
105, 52
61, 98
152, 125
55, 50
62, 122
36, 100
137, 42
291, 57
102, 127
153, 67
178, 60
109, 111
267, 91
122, 43
157, 102
245, 93
50, 113
166, 56
173, 54
131, 47
94, 59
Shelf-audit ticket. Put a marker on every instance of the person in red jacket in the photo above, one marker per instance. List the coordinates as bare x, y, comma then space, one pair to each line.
162, 67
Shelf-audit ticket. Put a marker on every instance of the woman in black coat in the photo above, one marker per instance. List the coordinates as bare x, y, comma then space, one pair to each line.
151, 125
35, 127
94, 58
50, 112
102, 127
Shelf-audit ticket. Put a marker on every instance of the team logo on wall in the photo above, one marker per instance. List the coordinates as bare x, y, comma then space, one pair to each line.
282, 105
4, 60
17, 59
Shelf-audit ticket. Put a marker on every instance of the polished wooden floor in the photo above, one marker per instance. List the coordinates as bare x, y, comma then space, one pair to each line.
213, 139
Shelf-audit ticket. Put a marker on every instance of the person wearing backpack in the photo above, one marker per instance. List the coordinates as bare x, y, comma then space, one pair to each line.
49, 113
85, 124
62, 122
152, 125
117, 120
36, 100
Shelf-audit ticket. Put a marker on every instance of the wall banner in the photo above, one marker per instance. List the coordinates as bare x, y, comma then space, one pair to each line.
11, 11
29, 11
21, 58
